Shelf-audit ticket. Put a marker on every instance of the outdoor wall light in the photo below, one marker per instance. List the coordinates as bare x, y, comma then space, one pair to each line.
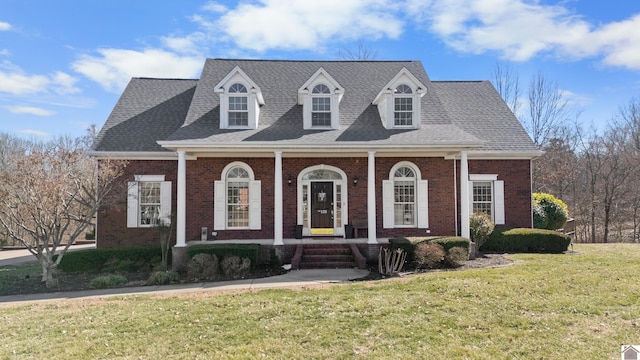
355, 181
289, 181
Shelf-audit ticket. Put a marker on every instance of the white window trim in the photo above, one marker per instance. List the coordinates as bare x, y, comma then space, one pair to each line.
321, 76
254, 98
385, 100
133, 200
497, 196
220, 200
421, 200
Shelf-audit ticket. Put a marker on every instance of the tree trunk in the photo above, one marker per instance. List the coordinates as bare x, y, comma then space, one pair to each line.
48, 273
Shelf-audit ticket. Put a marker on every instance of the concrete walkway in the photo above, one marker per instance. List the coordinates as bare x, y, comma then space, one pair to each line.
22, 256
294, 278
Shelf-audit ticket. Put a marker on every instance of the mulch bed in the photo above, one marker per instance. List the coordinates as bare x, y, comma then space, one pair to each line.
82, 281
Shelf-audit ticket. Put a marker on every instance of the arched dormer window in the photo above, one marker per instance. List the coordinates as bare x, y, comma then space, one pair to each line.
405, 197
240, 101
238, 106
321, 106
403, 106
320, 98
399, 101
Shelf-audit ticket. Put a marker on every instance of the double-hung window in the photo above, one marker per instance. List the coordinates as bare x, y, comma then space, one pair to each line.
238, 105
486, 194
148, 201
405, 198
321, 106
404, 193
237, 199
403, 106
483, 197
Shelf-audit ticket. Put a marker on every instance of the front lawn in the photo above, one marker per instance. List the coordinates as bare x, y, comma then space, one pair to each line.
543, 307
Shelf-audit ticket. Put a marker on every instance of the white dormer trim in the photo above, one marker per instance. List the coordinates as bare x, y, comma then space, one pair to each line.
254, 98
305, 98
385, 100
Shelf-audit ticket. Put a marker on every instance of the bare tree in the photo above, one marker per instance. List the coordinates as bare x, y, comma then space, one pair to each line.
507, 83
360, 52
548, 109
49, 194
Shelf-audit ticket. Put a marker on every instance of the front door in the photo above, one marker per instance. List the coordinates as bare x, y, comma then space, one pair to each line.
322, 208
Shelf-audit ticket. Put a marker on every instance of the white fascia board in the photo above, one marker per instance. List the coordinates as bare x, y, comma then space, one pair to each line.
500, 155
387, 89
136, 155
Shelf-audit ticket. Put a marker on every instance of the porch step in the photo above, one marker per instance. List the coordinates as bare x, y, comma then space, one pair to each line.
327, 256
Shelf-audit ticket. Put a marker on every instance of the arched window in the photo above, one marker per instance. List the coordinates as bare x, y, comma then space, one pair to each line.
405, 198
238, 105
320, 106
237, 199
403, 106
404, 195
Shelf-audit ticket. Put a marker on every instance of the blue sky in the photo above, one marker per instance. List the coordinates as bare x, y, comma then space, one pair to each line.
64, 63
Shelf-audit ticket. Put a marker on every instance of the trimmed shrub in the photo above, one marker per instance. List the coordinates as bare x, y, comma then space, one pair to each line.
235, 268
456, 256
451, 242
481, 227
429, 255
163, 277
527, 241
107, 281
409, 245
549, 212
249, 251
100, 260
202, 266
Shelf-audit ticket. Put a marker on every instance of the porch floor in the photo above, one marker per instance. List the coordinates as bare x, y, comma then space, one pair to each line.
305, 240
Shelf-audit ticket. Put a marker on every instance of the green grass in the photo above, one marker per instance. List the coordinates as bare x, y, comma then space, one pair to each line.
10, 274
543, 307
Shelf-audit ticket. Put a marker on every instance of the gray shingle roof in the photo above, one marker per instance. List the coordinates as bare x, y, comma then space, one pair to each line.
178, 111
148, 110
476, 107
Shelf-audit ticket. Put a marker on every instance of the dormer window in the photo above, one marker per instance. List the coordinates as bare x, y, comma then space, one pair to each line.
240, 101
320, 99
238, 109
320, 106
399, 102
403, 106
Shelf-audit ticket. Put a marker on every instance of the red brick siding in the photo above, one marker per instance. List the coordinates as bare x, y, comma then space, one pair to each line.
516, 175
201, 174
112, 228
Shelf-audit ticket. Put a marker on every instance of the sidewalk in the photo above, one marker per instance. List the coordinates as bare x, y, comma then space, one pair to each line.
294, 278
23, 256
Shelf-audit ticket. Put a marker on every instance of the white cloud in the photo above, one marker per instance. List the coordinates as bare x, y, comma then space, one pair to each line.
190, 44
113, 68
14, 81
32, 132
4, 52
283, 24
214, 7
520, 30
30, 110
5, 26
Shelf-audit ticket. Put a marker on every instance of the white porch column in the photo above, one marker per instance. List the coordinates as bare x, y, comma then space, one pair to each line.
181, 211
371, 199
464, 195
277, 201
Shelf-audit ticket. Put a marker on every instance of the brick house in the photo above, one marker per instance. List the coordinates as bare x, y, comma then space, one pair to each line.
282, 152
